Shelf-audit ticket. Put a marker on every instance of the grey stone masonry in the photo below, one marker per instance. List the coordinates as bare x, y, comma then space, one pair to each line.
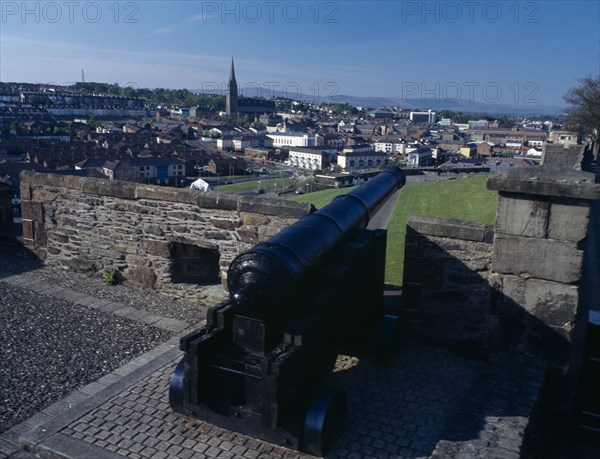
537, 262
173, 240
446, 265
566, 156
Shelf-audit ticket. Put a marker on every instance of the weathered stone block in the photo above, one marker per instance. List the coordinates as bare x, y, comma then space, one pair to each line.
249, 237
447, 227
41, 237
489, 234
124, 248
83, 266
568, 220
565, 156
254, 219
126, 207
179, 228
26, 192
142, 276
218, 235
266, 232
28, 230
186, 216
26, 210
153, 229
547, 181
228, 225
136, 260
552, 303
216, 201
117, 189
43, 195
272, 207
162, 193
548, 259
37, 211
522, 215
156, 248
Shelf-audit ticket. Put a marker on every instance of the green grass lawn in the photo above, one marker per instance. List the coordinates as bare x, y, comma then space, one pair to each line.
466, 199
253, 185
319, 198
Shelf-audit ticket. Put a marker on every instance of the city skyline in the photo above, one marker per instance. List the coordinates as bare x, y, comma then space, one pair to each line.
482, 52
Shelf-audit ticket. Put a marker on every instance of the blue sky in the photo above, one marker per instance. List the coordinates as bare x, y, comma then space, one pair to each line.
502, 51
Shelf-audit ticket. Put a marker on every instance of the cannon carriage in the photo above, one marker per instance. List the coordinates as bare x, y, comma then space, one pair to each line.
260, 364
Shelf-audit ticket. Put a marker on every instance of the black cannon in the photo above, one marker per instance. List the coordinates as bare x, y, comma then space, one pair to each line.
295, 302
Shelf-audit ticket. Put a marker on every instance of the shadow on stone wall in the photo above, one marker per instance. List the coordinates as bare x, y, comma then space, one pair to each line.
449, 283
457, 302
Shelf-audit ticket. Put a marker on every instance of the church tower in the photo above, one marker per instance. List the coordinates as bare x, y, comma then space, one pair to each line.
231, 103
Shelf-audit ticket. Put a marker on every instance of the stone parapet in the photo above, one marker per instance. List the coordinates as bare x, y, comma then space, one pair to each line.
446, 266
175, 240
541, 229
548, 181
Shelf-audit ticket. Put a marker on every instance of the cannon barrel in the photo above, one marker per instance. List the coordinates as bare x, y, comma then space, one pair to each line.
267, 276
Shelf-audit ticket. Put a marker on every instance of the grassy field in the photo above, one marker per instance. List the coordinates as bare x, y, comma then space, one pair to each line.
319, 198
253, 185
466, 199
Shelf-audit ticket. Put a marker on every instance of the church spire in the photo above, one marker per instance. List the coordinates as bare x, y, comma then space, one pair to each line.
231, 100
232, 72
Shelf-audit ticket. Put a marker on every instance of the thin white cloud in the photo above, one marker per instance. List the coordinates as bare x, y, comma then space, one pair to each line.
203, 18
62, 61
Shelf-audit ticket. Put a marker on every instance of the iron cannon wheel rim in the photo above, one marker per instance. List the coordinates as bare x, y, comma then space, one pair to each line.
326, 415
176, 387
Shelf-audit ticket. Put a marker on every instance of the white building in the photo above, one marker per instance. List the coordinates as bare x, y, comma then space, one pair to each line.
420, 158
390, 147
295, 139
306, 158
422, 117
352, 160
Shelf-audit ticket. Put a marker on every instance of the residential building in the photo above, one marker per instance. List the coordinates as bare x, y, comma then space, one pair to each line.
478, 124
160, 170
485, 149
422, 117
308, 158
226, 166
390, 146
295, 139
469, 150
351, 159
420, 158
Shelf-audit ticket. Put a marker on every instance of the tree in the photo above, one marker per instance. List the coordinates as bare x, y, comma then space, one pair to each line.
583, 115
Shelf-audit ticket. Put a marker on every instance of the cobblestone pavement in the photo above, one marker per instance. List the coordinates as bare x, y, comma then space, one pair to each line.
395, 411
427, 403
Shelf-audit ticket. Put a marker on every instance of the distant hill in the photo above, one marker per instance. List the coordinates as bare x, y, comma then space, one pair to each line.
457, 106
374, 102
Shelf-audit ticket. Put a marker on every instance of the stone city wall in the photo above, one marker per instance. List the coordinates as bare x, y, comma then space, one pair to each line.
541, 233
446, 267
174, 240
